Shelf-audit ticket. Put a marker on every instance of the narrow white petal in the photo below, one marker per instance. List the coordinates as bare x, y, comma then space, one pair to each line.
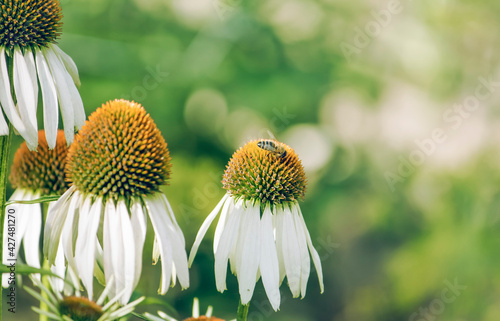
222, 222
304, 253
269, 266
156, 251
25, 93
30, 63
204, 228
70, 226
59, 268
291, 252
4, 128
128, 245
49, 99
64, 93
30, 136
250, 261
68, 63
138, 220
54, 224
196, 308
278, 229
164, 245
32, 237
113, 248
227, 240
90, 217
314, 253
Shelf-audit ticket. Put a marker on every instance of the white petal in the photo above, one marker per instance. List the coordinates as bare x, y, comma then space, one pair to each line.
30, 63
70, 226
227, 240
90, 217
4, 128
164, 245
269, 266
32, 237
247, 275
59, 268
54, 224
138, 220
128, 244
291, 252
314, 253
304, 253
9, 108
25, 93
49, 99
228, 206
278, 221
204, 228
64, 93
68, 63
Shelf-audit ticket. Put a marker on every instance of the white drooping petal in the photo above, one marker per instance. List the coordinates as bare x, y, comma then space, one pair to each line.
4, 128
70, 226
64, 93
164, 244
49, 99
228, 205
30, 63
291, 252
227, 240
111, 250
314, 253
304, 253
247, 274
204, 228
10, 110
31, 239
90, 217
56, 217
269, 266
25, 93
128, 245
138, 220
59, 268
68, 63
278, 228
178, 242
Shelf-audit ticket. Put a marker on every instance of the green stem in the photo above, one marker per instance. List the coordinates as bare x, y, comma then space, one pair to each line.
242, 312
45, 281
4, 164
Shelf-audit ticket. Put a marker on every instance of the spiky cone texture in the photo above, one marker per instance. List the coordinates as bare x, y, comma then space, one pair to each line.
33, 174
28, 56
261, 230
74, 307
116, 165
162, 316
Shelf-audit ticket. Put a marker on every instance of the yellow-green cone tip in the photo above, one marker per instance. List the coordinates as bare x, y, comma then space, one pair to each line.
265, 171
41, 170
29, 23
119, 152
80, 309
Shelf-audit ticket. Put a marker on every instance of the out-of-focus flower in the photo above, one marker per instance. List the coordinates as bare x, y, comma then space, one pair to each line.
196, 314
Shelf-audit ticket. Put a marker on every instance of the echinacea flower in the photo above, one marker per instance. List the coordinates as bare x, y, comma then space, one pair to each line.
74, 307
28, 56
33, 174
196, 314
261, 230
116, 166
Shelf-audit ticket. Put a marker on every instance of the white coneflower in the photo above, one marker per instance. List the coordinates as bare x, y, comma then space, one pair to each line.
261, 230
28, 55
76, 308
34, 174
196, 314
116, 165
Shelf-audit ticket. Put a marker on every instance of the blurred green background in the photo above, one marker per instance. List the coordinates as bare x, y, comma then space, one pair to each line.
391, 105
